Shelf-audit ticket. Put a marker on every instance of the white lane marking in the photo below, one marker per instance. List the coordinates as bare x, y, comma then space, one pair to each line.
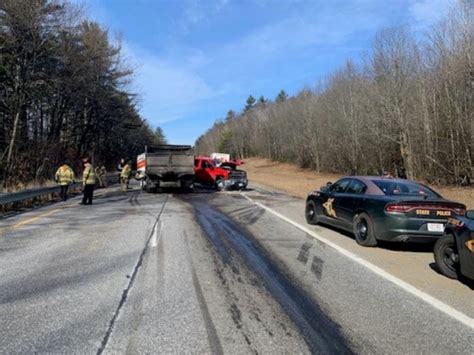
156, 232
443, 307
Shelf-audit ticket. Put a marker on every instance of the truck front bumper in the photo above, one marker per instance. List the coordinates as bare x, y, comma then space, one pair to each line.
236, 183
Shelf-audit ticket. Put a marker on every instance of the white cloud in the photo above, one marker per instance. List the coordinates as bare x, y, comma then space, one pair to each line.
168, 91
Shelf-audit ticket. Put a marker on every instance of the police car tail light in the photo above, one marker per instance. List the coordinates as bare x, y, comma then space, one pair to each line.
398, 208
459, 211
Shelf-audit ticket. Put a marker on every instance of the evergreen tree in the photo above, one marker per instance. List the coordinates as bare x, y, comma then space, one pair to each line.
62, 93
230, 116
159, 136
281, 97
249, 103
262, 101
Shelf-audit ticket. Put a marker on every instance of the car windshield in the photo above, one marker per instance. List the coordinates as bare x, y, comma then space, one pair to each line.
397, 187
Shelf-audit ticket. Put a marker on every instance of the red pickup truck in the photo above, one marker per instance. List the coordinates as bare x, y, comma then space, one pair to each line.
226, 175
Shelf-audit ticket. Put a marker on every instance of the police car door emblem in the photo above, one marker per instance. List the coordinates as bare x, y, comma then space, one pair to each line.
328, 207
470, 245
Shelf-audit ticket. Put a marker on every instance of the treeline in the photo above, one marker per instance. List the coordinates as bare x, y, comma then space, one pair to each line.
62, 93
408, 105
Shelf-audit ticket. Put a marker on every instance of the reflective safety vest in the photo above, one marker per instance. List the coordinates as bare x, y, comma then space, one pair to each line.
126, 172
100, 172
88, 176
64, 175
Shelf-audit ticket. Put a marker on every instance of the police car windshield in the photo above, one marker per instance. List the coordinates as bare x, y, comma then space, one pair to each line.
397, 187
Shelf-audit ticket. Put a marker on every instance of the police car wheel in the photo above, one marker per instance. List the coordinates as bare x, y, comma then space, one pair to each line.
310, 213
446, 256
364, 230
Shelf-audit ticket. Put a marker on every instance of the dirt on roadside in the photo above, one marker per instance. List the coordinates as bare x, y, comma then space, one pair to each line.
298, 182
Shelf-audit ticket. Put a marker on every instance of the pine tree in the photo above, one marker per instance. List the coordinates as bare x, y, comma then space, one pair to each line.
249, 103
282, 96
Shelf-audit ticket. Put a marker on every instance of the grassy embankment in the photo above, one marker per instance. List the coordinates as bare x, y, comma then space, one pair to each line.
298, 182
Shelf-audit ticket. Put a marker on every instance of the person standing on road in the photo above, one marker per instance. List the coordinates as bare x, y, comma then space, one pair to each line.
120, 168
88, 181
125, 176
101, 172
64, 177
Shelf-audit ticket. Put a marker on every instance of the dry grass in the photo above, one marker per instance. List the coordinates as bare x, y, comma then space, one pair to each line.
298, 182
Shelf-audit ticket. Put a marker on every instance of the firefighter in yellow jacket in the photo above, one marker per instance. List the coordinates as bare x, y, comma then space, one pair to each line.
64, 177
88, 181
125, 176
101, 173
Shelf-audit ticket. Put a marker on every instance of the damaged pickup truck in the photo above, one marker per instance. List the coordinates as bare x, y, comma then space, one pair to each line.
224, 176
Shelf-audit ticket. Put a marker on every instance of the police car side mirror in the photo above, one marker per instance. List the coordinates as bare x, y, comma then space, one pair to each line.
470, 214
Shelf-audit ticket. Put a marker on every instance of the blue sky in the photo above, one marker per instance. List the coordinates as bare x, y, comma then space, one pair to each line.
196, 59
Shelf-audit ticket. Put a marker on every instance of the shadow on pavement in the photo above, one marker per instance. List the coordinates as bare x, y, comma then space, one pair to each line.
393, 246
462, 279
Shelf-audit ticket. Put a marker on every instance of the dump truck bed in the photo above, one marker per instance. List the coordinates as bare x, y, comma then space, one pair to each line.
169, 161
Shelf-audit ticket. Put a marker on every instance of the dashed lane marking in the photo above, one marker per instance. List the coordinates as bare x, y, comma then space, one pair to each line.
156, 233
434, 302
30, 220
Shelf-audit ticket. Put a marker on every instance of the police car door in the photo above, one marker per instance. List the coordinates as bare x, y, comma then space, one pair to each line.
350, 200
331, 202
466, 248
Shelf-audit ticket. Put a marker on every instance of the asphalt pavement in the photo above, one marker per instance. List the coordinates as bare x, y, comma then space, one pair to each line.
209, 273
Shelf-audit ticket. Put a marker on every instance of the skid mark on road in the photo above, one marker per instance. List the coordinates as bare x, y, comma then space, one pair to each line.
441, 306
213, 339
320, 332
303, 255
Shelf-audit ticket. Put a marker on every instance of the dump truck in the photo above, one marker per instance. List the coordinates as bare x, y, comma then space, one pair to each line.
166, 165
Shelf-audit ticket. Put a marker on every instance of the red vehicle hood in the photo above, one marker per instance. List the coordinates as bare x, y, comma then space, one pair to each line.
232, 164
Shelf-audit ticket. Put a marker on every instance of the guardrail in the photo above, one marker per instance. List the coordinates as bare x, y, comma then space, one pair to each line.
6, 198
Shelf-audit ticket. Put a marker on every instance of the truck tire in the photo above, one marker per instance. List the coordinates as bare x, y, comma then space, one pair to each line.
151, 187
220, 183
364, 230
187, 186
145, 186
150, 190
446, 256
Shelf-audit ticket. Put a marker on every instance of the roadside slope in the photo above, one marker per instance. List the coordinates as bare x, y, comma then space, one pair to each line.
298, 182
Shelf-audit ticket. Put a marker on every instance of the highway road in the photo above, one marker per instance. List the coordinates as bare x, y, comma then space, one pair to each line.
229, 272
